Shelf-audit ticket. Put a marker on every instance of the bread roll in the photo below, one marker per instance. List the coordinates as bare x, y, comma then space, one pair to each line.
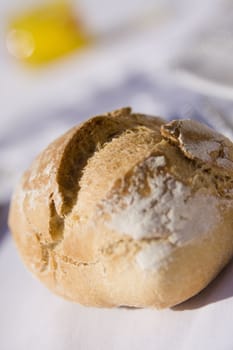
127, 210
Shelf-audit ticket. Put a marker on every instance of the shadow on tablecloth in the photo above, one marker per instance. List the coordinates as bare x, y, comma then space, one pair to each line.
219, 289
4, 209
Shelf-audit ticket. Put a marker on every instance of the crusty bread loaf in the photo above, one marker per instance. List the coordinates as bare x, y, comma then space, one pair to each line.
127, 210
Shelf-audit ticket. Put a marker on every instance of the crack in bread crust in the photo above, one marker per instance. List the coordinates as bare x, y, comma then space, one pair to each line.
56, 222
48, 252
85, 142
199, 142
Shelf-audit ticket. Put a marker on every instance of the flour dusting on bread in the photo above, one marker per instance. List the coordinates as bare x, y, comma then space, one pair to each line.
166, 210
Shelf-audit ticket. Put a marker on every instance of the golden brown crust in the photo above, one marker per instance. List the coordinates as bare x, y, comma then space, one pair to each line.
105, 215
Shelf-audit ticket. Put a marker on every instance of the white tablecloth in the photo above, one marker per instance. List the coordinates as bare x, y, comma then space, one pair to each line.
32, 318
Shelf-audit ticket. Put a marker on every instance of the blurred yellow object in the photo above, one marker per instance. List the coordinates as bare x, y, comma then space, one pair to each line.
46, 33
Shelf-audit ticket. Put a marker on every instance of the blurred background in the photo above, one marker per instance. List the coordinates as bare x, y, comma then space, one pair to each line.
62, 61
